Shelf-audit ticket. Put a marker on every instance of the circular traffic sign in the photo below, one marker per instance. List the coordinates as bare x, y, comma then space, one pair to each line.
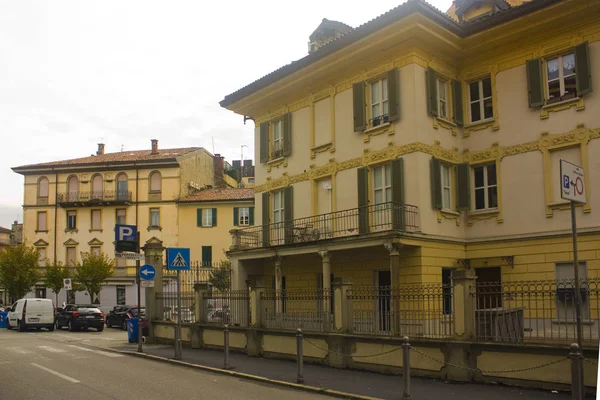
147, 272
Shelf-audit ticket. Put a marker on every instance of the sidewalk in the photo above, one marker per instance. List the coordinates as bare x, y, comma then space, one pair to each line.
351, 381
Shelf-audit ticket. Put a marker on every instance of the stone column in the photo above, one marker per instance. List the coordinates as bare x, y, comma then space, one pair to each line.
342, 303
463, 285
200, 304
258, 289
395, 317
153, 251
278, 293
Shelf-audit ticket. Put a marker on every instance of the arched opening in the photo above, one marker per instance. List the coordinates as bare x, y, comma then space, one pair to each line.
155, 182
97, 184
73, 188
122, 190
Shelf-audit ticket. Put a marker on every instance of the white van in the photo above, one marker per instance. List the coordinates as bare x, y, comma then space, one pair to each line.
31, 313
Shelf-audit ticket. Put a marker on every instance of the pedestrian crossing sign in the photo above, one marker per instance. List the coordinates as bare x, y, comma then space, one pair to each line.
178, 259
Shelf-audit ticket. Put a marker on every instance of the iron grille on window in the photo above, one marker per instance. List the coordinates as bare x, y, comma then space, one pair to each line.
382, 119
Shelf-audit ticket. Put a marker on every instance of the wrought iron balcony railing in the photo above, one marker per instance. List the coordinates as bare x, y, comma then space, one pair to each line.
93, 198
385, 217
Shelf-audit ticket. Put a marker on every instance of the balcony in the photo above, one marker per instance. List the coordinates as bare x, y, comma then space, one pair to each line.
381, 218
91, 199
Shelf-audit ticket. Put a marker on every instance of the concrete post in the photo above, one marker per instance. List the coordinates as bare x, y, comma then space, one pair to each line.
342, 303
258, 289
200, 306
395, 317
278, 280
464, 301
326, 307
236, 239
577, 386
153, 252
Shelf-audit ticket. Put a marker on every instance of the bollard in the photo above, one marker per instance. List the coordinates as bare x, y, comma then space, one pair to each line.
577, 388
406, 367
226, 344
299, 356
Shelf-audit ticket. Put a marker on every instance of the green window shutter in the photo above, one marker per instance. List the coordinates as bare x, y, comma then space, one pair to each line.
358, 96
206, 256
393, 95
432, 101
363, 199
265, 219
236, 216
535, 86
288, 213
463, 186
214, 217
457, 102
436, 184
251, 216
582, 69
398, 180
199, 217
264, 142
287, 134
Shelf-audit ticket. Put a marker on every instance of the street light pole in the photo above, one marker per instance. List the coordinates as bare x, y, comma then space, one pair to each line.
242, 164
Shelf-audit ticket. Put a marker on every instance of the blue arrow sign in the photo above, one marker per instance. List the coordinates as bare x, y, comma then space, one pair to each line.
147, 272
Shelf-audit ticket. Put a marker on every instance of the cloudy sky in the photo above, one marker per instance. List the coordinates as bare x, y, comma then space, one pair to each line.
79, 72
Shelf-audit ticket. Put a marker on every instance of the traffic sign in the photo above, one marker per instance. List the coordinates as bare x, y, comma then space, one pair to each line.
130, 256
147, 283
572, 182
67, 284
178, 259
126, 238
147, 272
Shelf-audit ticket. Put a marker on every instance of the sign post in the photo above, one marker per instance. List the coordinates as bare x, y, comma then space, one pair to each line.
573, 189
178, 259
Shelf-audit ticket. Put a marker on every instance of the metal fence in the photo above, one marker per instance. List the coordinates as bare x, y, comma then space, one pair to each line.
423, 310
535, 310
231, 307
170, 309
308, 309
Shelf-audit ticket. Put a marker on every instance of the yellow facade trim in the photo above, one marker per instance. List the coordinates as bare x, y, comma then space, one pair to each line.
451, 215
444, 123
578, 103
379, 130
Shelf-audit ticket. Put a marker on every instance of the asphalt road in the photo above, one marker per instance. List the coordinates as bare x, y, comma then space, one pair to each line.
58, 365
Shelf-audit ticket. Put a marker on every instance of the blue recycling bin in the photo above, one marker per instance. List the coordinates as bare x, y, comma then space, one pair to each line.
132, 330
3, 319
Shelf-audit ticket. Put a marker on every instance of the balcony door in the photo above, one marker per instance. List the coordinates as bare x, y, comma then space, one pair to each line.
122, 189
73, 188
322, 226
97, 187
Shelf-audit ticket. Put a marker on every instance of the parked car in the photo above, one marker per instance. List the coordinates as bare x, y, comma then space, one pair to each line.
31, 313
77, 316
187, 314
119, 315
220, 316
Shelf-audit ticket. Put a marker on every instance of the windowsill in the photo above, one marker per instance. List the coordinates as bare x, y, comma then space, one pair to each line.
275, 160
488, 211
95, 230
446, 121
154, 228
207, 226
558, 204
386, 127
479, 123
41, 231
562, 105
375, 128
71, 230
450, 212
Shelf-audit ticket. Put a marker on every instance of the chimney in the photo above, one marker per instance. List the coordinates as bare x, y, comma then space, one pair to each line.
154, 146
219, 171
100, 149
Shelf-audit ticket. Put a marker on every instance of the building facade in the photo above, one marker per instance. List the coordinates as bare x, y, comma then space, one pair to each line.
72, 206
423, 143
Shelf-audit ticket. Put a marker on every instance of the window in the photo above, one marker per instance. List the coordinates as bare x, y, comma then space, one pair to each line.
121, 216
206, 256
71, 256
95, 250
43, 188
121, 297
96, 220
486, 189
382, 184
97, 187
379, 102
480, 100
447, 290
560, 77
443, 98
244, 216
122, 190
73, 188
155, 182
72, 220
446, 187
278, 206
207, 217
42, 221
155, 217
42, 257
277, 139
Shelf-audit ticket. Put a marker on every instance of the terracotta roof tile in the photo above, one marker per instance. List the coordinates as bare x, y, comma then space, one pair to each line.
219, 195
120, 157
5, 230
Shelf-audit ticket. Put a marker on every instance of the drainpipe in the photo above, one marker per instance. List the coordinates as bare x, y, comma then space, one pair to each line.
55, 211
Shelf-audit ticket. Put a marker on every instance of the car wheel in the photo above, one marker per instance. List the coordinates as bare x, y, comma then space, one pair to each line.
71, 326
21, 326
51, 328
100, 329
108, 325
124, 327
8, 325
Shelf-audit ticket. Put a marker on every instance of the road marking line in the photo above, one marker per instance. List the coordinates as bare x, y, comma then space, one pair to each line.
52, 349
66, 378
104, 353
5, 362
19, 350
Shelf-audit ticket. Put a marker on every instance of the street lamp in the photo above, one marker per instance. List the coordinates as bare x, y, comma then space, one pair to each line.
241, 165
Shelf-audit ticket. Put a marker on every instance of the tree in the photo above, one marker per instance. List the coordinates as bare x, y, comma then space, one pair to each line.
56, 273
220, 277
19, 270
92, 271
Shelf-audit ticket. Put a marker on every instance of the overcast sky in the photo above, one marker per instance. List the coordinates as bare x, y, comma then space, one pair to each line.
77, 73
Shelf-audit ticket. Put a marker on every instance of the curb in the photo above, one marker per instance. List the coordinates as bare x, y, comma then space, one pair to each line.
289, 385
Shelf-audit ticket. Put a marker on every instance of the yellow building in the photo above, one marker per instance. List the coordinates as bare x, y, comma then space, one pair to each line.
72, 206
422, 143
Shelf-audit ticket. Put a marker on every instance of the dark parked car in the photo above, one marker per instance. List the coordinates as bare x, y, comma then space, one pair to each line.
119, 315
77, 316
